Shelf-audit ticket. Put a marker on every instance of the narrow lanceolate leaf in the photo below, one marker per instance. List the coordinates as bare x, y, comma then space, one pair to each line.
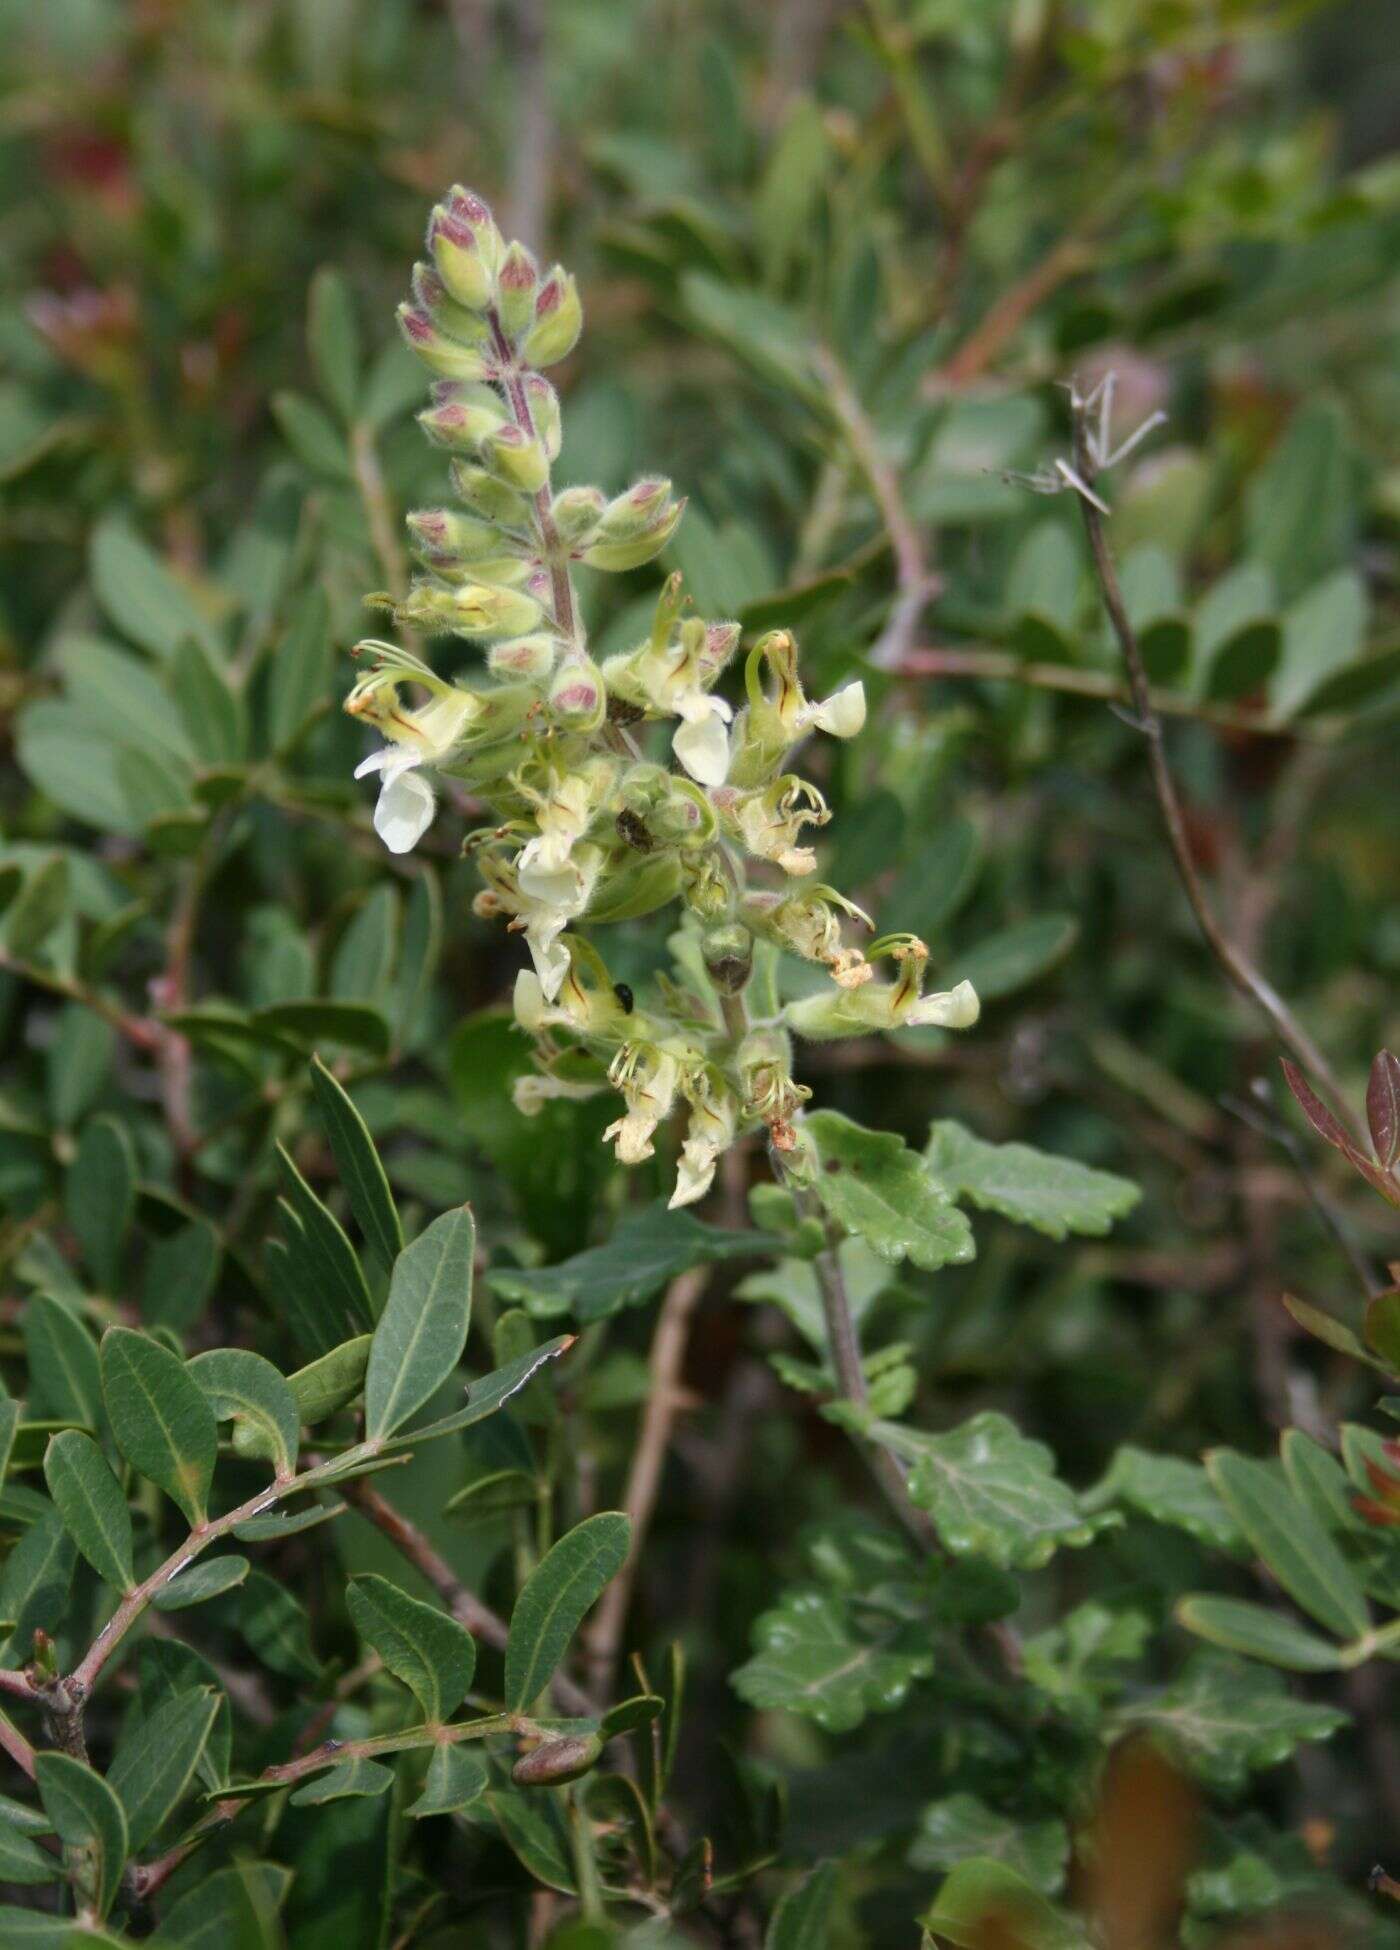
1291, 1542
492, 1392
35, 1582
1055, 1196
62, 1354
456, 1776
210, 1578
160, 1417
815, 1656
100, 1194
1383, 1107
23, 1861
88, 1819
243, 1387
349, 1780
1258, 1633
1226, 1719
90, 1501
431, 1653
155, 1762
234, 1906
555, 1597
992, 1492
874, 1185
323, 1260
357, 1161
802, 1920
423, 1329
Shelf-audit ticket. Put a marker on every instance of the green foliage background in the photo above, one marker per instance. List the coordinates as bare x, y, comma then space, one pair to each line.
932, 213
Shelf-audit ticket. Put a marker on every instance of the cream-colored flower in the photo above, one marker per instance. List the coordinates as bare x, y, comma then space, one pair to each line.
647, 1075
714, 1122
417, 740
879, 1006
770, 823
531, 1092
701, 742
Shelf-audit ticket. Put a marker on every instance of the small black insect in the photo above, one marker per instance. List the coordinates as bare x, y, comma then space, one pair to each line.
624, 996
631, 829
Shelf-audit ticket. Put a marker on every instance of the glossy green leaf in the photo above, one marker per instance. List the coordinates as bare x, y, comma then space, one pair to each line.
556, 1597
88, 1819
875, 1186
429, 1651
814, 1655
1290, 1540
357, 1162
423, 1329
232, 1909
1258, 1633
457, 1775
89, 1499
1170, 1491
1056, 1196
160, 1418
962, 1828
155, 1762
209, 1578
992, 1492
1225, 1719
643, 1252
241, 1386
64, 1380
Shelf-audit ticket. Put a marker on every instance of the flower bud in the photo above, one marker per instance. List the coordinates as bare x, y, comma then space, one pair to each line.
463, 417
555, 1761
558, 320
529, 657
518, 282
517, 459
441, 354
683, 816
430, 295
459, 261
577, 697
489, 497
544, 411
639, 885
576, 513
458, 548
728, 953
617, 556
471, 609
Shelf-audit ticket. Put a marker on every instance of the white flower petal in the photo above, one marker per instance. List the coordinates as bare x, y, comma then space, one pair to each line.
952, 1009
702, 741
843, 713
375, 762
404, 811
550, 958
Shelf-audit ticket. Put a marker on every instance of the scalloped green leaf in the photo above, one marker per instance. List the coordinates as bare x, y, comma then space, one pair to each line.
818, 1655
1056, 1196
874, 1185
1225, 1719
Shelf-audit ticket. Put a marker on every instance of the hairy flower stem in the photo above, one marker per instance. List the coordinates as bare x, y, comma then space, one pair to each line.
552, 550
1238, 967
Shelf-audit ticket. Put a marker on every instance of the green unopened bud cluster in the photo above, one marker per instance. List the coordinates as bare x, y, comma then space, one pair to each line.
591, 821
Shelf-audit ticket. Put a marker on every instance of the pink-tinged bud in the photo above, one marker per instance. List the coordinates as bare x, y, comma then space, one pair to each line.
490, 497
517, 459
459, 262
544, 411
576, 513
558, 320
516, 281
439, 353
531, 657
463, 420
577, 697
430, 295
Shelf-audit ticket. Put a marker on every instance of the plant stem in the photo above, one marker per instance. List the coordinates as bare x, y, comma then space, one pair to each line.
551, 548
604, 1638
1236, 964
379, 511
